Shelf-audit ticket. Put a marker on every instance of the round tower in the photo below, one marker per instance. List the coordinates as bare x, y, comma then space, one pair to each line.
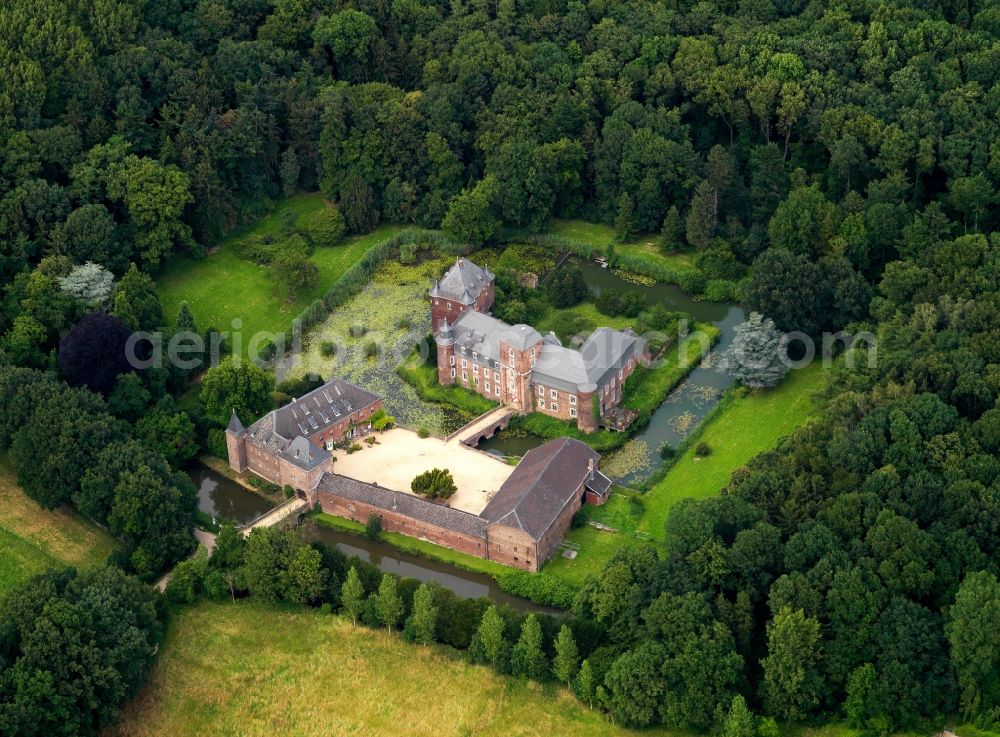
445, 340
586, 411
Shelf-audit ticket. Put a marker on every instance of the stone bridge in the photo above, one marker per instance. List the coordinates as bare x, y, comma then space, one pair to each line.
290, 508
482, 427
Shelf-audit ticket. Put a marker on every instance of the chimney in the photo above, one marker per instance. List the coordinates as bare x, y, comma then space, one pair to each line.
590, 469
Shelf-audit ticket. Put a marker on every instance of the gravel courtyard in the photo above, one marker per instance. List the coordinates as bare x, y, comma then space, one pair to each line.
400, 455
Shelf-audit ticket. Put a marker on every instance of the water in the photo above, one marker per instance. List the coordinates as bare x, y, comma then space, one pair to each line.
688, 404
221, 498
465, 584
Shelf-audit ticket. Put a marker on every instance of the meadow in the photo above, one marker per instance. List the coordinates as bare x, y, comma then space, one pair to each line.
33, 539
222, 286
745, 425
641, 248
248, 669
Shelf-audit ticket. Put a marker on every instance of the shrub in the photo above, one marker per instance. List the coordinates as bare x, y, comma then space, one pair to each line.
667, 451
579, 520
353, 448
692, 282
722, 290
255, 481
373, 528
404, 324
326, 226
702, 449
370, 440
288, 491
267, 351
357, 331
407, 253
371, 349
423, 432
434, 484
327, 349
541, 588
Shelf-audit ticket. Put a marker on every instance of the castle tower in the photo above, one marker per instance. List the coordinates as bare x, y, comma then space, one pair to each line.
445, 340
236, 444
586, 412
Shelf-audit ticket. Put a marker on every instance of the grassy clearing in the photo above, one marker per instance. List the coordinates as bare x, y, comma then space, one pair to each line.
749, 425
33, 539
642, 248
596, 546
746, 426
222, 287
247, 669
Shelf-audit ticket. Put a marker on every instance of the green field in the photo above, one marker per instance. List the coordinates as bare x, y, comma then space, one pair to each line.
744, 427
33, 539
643, 247
749, 425
222, 287
247, 669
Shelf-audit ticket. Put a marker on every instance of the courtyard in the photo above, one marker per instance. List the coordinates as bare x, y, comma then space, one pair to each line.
399, 455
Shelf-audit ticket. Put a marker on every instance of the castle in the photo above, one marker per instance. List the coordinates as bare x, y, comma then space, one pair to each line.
521, 526
517, 366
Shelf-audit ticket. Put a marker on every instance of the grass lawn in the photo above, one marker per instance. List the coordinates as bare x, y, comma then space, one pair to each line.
247, 669
643, 247
745, 427
222, 286
33, 539
596, 546
749, 425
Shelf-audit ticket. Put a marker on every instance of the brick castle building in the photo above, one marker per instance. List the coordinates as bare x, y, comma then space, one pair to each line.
517, 366
291, 445
521, 526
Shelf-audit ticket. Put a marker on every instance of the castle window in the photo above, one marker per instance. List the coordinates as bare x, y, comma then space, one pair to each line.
541, 391
572, 412
541, 405
452, 360
497, 390
475, 368
465, 364
496, 376
453, 373
572, 399
465, 376
619, 375
475, 355
554, 393
487, 387
475, 380
555, 407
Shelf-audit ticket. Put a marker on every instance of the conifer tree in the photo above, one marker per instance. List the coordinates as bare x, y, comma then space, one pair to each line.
421, 624
389, 605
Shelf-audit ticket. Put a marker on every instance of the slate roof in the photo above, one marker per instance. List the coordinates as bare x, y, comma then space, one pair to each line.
283, 432
603, 353
463, 282
406, 504
319, 409
541, 486
235, 426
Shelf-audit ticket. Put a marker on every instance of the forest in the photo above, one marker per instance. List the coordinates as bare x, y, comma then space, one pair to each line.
835, 164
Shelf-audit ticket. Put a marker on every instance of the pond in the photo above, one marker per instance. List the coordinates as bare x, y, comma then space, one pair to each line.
221, 498
465, 584
686, 406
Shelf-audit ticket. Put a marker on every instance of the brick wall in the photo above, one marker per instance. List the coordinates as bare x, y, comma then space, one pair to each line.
394, 522
513, 547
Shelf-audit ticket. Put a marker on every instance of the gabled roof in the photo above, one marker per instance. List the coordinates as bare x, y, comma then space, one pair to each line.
541, 486
328, 405
463, 282
285, 431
